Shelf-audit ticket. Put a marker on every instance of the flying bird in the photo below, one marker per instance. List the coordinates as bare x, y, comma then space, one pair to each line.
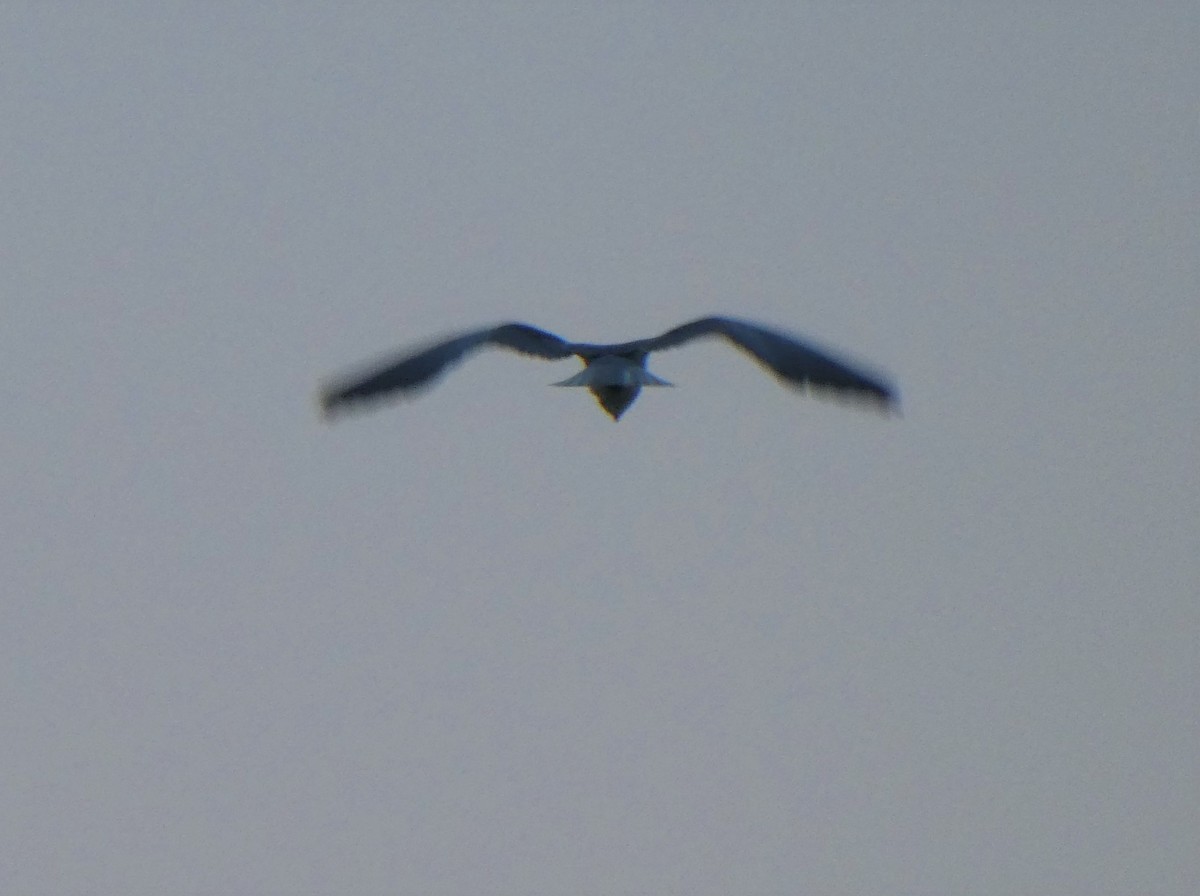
615, 373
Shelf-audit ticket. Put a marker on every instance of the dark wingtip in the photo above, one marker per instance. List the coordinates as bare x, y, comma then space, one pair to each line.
875, 396
329, 405
882, 398
887, 399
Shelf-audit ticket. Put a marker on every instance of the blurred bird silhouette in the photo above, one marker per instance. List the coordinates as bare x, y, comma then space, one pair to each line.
615, 373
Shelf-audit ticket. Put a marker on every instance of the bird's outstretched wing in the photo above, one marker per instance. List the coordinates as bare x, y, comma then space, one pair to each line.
791, 360
412, 371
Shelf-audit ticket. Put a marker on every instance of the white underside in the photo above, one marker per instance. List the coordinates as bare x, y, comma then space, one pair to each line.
620, 374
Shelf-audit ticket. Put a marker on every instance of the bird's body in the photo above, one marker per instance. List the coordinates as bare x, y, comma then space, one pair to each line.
615, 380
615, 373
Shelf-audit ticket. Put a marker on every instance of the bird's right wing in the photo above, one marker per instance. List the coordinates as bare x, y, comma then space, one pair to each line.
410, 372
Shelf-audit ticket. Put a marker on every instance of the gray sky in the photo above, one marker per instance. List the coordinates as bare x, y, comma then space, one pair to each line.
490, 642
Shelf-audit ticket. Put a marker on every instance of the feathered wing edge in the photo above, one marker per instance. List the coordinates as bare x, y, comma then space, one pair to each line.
791, 360
413, 371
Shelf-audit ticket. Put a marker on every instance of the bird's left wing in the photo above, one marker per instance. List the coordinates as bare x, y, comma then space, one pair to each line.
788, 358
412, 371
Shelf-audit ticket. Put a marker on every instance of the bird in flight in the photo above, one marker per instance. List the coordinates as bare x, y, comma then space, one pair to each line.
615, 373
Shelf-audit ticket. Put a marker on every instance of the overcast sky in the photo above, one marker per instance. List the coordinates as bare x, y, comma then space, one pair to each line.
490, 642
